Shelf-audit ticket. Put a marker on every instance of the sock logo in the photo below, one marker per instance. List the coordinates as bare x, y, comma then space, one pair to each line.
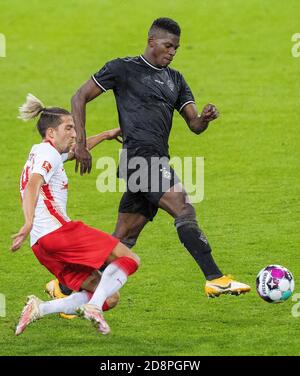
203, 238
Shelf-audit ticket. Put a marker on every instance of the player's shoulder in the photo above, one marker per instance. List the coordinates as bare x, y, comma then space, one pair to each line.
116, 65
121, 65
46, 149
123, 61
175, 73
130, 59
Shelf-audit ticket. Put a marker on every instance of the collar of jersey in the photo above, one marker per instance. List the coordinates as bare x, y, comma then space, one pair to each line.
150, 65
49, 142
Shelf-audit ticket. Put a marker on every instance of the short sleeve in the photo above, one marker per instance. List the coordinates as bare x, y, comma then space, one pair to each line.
185, 95
108, 76
46, 162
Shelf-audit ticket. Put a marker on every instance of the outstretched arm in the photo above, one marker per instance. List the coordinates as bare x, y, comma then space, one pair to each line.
91, 142
199, 122
112, 134
85, 94
30, 198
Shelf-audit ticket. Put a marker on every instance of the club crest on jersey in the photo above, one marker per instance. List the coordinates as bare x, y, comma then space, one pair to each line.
165, 173
46, 166
170, 84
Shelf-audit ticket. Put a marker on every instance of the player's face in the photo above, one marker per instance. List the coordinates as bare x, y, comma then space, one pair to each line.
64, 136
163, 48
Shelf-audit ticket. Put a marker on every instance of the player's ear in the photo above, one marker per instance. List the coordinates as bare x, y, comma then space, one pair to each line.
151, 41
50, 132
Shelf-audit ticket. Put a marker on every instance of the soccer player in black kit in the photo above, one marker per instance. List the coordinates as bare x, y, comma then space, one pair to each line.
147, 92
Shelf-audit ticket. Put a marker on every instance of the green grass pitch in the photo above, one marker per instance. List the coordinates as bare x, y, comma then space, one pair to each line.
236, 54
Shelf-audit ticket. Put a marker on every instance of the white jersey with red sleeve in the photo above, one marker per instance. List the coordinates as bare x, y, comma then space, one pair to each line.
50, 212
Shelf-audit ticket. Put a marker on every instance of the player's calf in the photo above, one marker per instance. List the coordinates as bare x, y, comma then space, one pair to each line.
54, 290
194, 240
122, 263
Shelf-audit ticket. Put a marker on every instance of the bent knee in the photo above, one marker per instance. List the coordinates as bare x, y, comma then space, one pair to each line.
186, 209
130, 262
136, 258
122, 251
128, 239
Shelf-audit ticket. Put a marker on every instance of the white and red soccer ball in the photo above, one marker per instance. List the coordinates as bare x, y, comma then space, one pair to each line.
275, 284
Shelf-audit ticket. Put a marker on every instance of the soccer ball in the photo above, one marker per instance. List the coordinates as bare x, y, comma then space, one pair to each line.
275, 284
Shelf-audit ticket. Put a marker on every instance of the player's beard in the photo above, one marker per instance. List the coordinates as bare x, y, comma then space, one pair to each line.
67, 148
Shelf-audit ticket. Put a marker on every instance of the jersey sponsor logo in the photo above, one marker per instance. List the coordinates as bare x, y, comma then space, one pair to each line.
46, 166
160, 82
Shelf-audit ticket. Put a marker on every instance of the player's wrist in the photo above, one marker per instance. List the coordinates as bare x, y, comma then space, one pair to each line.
202, 123
203, 119
28, 225
80, 145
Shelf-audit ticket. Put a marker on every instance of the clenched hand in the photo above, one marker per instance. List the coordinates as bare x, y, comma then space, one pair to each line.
83, 158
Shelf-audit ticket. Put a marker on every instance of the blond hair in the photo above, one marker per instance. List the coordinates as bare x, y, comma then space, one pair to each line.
50, 116
31, 108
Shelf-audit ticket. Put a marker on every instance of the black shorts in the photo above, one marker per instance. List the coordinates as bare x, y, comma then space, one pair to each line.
148, 176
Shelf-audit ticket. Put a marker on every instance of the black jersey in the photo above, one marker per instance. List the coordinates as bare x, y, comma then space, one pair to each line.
146, 97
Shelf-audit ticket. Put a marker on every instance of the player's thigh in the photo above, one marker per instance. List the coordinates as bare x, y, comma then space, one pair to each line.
129, 225
176, 201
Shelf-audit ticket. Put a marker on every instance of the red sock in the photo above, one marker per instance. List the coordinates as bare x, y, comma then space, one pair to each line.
105, 306
127, 264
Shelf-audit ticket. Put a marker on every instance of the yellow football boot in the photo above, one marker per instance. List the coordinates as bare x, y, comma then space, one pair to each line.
225, 285
53, 290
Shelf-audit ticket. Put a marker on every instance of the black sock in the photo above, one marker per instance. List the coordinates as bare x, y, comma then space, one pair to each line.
196, 243
64, 289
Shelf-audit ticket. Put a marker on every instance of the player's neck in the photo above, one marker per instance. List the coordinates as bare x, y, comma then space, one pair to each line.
147, 55
51, 143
